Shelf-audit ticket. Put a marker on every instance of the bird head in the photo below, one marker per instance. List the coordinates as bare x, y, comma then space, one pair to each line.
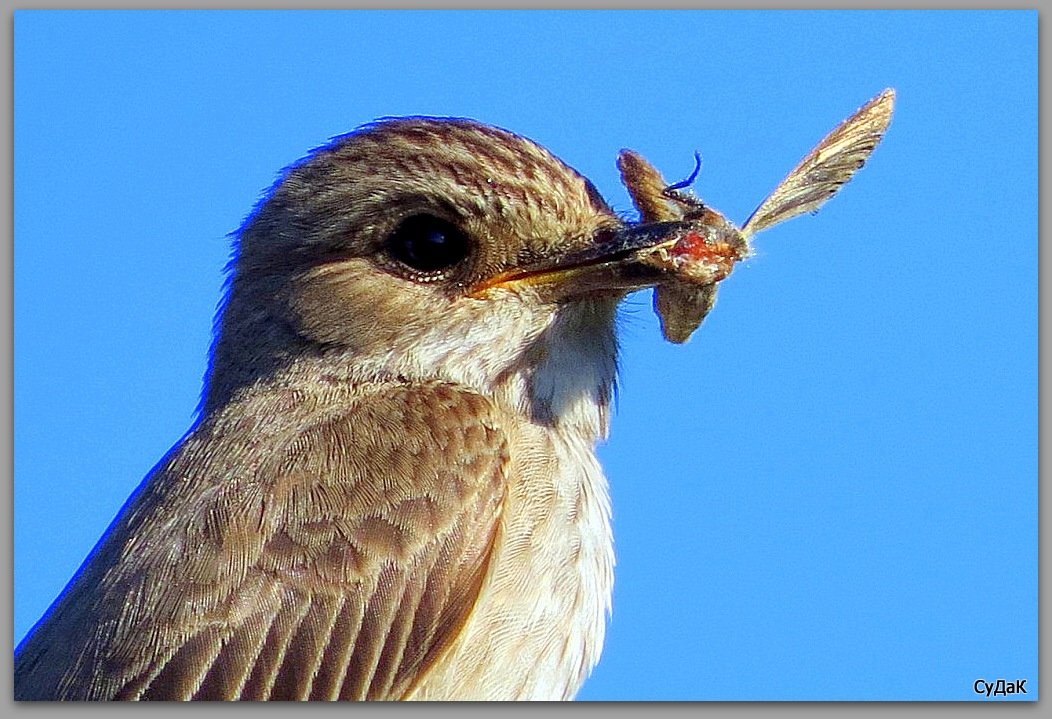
421, 249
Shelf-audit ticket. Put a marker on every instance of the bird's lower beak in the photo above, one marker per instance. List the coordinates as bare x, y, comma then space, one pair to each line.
612, 264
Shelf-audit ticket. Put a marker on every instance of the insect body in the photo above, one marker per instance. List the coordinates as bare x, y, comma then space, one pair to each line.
704, 246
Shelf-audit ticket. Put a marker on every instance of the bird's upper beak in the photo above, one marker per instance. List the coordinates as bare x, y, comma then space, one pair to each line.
611, 264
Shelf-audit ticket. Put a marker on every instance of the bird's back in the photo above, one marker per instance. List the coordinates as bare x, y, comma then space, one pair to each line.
387, 541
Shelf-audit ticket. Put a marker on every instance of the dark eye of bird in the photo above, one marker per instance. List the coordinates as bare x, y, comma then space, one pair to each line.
427, 244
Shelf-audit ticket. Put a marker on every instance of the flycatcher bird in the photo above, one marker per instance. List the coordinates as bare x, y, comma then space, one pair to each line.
391, 491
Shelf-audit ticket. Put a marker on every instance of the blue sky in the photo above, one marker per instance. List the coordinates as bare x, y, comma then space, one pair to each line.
829, 493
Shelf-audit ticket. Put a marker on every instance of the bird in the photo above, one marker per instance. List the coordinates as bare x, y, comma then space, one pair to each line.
391, 490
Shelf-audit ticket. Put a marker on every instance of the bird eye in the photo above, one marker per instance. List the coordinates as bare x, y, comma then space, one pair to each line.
427, 244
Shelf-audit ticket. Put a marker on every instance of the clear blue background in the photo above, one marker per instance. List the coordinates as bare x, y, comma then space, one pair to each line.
829, 493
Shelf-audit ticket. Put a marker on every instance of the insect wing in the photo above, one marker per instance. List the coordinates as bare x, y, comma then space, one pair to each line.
646, 186
828, 166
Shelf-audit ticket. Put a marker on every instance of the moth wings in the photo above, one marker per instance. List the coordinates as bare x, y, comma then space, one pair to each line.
828, 166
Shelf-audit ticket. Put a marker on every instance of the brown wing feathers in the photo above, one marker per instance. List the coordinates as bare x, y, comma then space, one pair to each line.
346, 604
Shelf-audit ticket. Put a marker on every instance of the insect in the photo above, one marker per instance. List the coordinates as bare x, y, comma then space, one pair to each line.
703, 246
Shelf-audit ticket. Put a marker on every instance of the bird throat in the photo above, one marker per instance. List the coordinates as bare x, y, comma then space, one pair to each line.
570, 370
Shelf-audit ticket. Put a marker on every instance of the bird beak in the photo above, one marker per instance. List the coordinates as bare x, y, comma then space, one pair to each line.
612, 264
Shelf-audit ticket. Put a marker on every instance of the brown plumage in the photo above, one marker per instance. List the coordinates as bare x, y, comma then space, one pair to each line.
391, 492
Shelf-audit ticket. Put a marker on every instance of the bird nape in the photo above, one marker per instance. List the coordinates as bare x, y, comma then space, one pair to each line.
392, 490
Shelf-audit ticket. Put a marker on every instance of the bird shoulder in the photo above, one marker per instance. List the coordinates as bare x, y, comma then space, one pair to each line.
361, 533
